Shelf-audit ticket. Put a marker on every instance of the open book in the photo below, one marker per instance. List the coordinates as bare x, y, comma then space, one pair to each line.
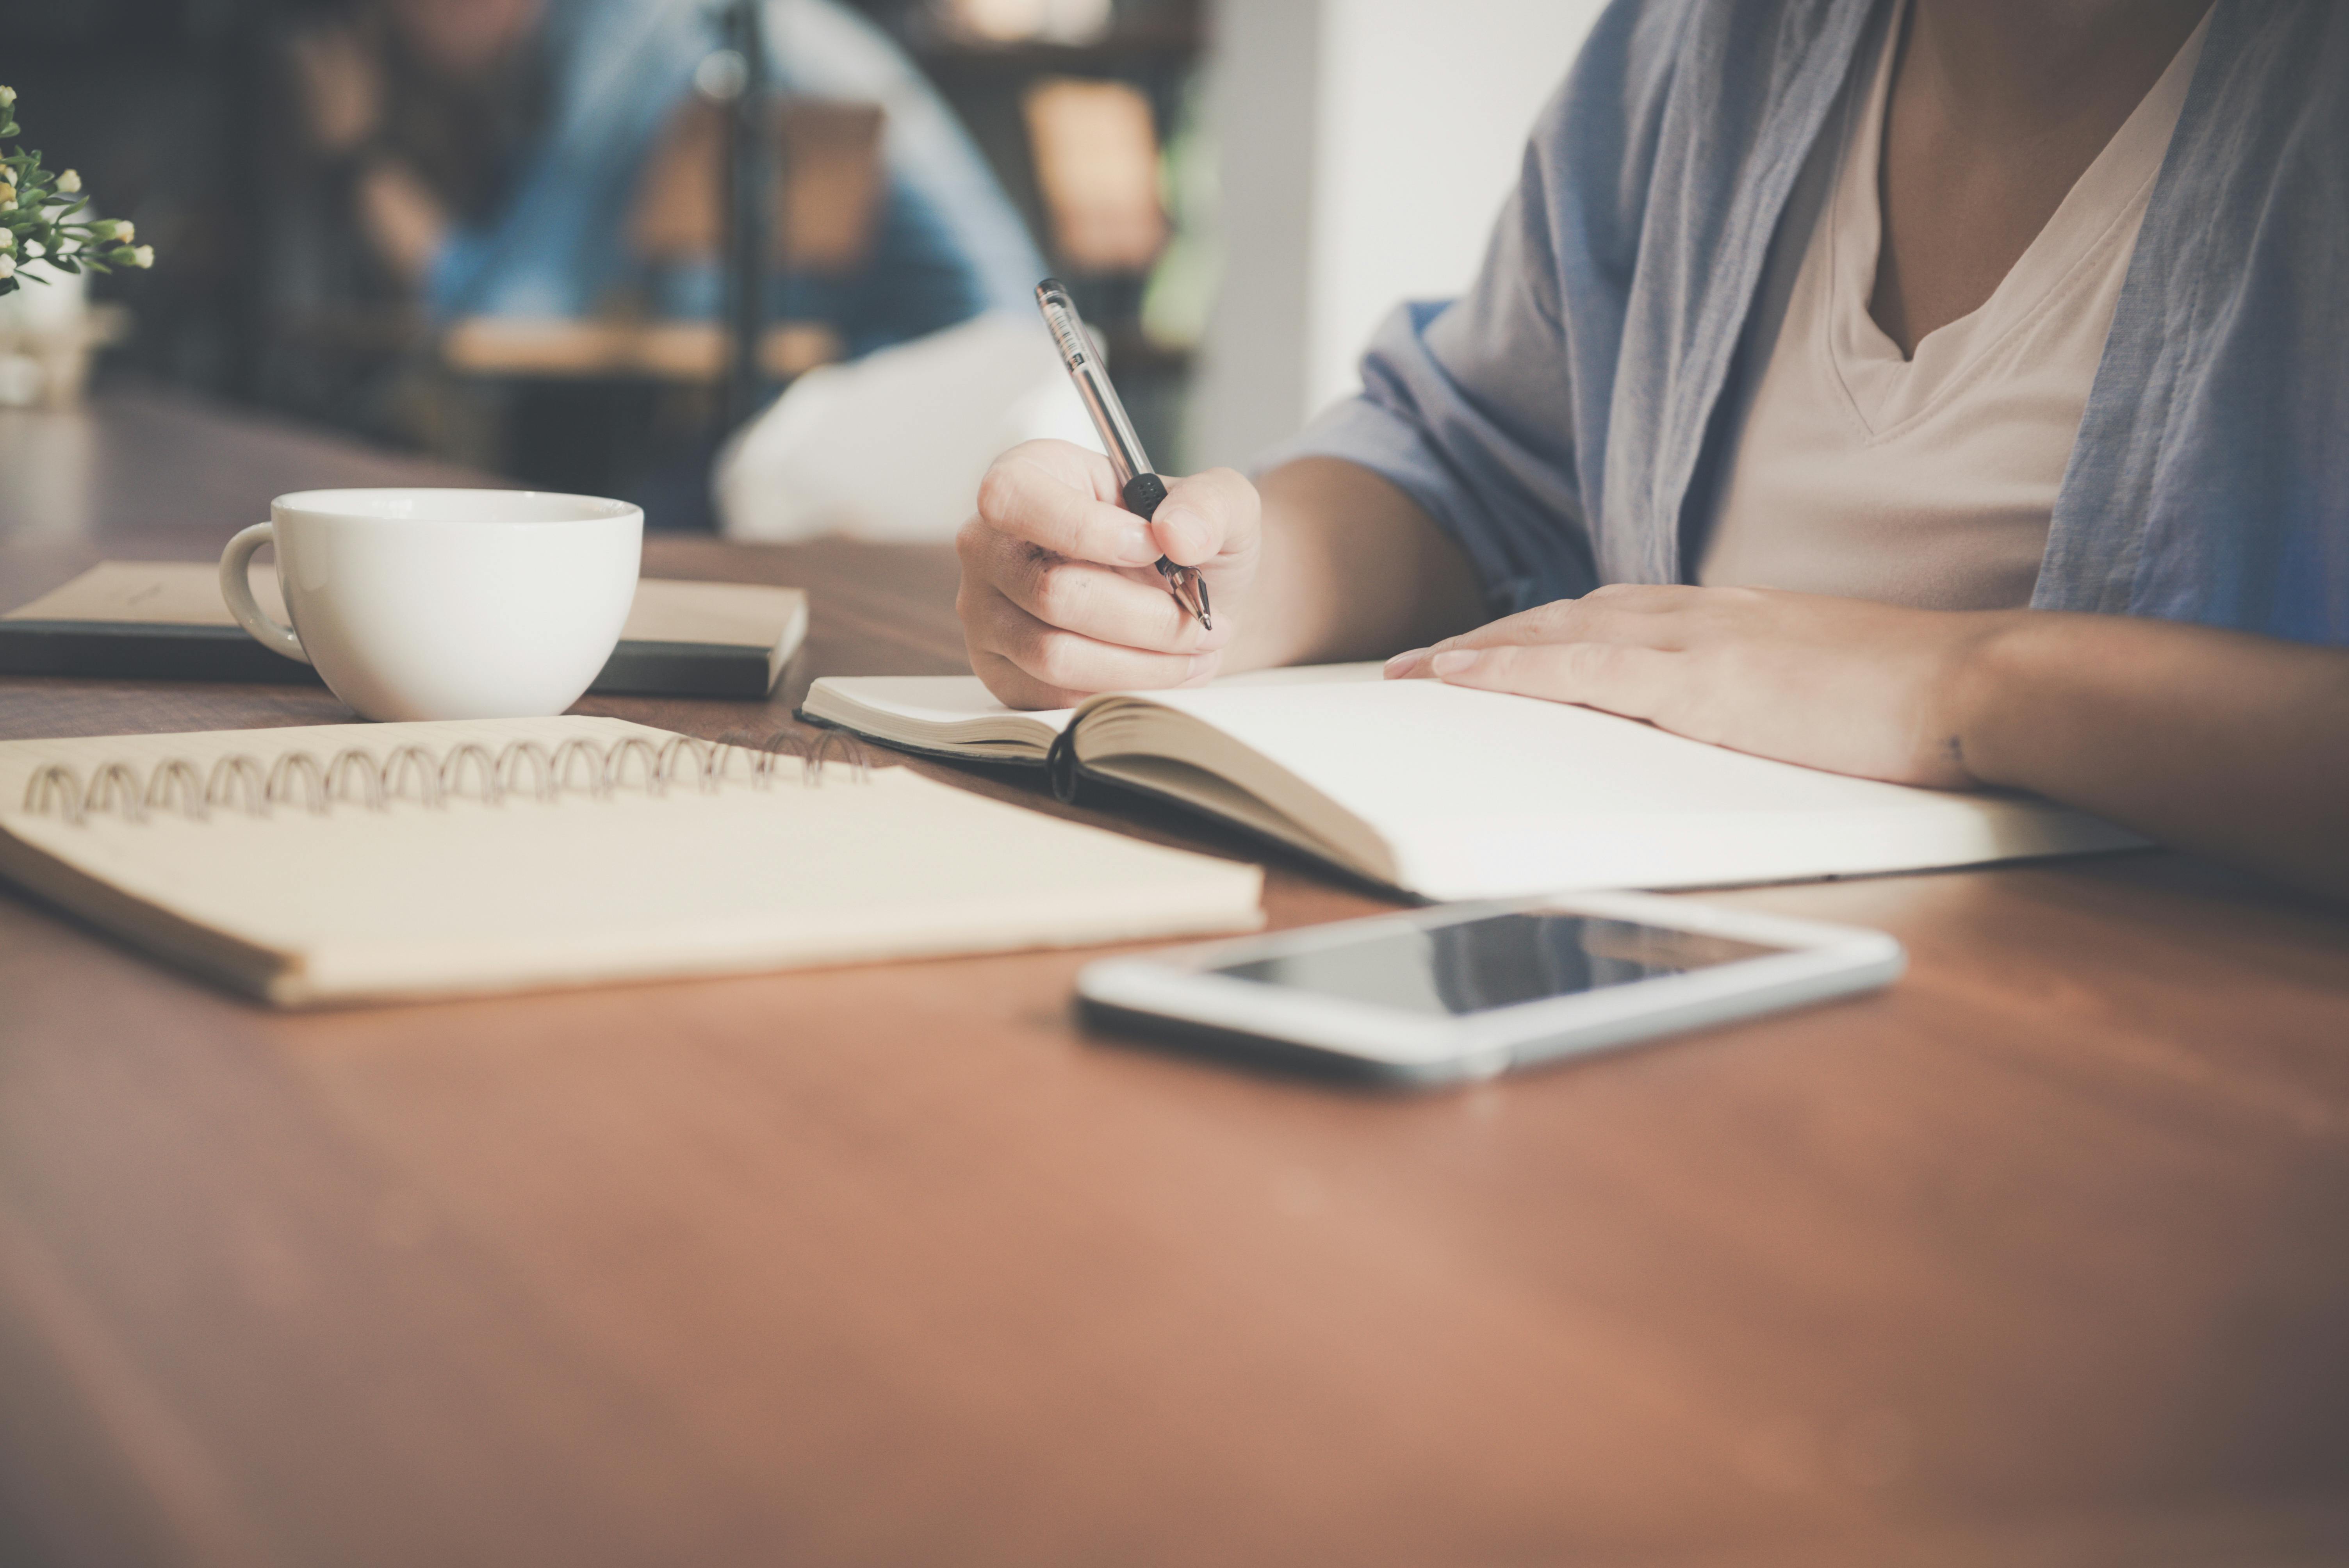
1451, 793
957, 716
344, 862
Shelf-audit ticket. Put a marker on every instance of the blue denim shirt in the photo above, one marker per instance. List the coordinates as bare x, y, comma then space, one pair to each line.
948, 245
1561, 419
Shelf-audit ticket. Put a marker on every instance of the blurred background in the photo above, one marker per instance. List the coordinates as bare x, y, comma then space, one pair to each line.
527, 235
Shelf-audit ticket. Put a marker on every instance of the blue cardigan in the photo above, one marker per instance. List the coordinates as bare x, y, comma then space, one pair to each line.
1560, 418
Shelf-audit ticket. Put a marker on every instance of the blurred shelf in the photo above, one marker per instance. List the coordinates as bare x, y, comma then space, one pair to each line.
1128, 351
1173, 42
676, 351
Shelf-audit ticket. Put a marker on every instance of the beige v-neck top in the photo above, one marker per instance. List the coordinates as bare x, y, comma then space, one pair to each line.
1929, 481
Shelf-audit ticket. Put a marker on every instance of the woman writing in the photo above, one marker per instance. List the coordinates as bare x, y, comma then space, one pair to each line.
1946, 391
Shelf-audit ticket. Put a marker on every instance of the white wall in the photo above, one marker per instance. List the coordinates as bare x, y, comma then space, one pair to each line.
1262, 93
1366, 148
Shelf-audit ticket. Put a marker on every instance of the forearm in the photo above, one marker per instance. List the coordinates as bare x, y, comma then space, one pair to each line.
402, 218
2233, 745
1352, 569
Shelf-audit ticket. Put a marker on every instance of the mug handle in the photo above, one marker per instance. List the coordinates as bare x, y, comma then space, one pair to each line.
236, 587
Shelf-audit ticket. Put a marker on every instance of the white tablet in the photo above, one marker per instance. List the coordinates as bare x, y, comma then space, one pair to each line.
1466, 991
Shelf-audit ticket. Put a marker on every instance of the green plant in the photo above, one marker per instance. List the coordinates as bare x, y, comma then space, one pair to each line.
44, 218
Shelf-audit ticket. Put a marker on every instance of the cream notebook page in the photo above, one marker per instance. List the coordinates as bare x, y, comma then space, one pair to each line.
356, 902
1456, 793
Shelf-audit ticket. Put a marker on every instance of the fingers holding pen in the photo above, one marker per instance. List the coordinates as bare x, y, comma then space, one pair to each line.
1128, 605
1049, 494
1060, 598
1131, 608
1210, 518
1027, 662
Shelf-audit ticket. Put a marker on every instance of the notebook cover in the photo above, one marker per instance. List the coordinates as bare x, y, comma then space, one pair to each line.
176, 646
320, 865
123, 650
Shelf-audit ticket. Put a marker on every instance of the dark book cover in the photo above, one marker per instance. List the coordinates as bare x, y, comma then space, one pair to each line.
722, 639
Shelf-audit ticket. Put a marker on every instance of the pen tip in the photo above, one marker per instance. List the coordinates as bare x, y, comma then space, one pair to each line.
1190, 591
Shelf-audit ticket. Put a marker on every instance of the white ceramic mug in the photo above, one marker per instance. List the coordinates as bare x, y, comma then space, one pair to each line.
445, 603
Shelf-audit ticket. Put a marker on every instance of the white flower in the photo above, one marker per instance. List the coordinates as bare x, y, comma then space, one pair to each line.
7, 240
144, 256
7, 267
70, 182
7, 96
34, 251
125, 232
7, 198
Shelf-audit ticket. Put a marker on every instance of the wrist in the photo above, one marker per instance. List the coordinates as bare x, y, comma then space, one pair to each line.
1988, 694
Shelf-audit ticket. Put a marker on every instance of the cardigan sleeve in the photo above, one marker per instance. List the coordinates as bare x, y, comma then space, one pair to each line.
1490, 410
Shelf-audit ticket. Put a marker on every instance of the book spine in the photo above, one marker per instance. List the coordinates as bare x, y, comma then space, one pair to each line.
112, 650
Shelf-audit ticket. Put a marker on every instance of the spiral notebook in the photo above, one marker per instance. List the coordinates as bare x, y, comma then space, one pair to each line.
1451, 793
354, 862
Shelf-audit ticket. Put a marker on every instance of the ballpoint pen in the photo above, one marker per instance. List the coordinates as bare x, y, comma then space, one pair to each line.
1139, 490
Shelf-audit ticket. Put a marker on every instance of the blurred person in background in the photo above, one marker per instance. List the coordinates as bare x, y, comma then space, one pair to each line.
485, 158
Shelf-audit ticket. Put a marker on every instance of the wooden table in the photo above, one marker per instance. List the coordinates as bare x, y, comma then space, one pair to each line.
2042, 1256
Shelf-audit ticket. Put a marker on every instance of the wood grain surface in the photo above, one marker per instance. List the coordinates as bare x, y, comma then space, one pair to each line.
2040, 1257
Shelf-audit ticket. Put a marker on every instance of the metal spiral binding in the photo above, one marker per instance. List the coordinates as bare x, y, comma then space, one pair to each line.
355, 775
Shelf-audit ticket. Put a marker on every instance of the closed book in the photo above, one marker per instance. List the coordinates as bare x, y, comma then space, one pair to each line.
163, 620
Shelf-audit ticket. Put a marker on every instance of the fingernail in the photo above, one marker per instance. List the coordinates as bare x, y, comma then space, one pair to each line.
1201, 663
1400, 665
1136, 548
1185, 533
1459, 661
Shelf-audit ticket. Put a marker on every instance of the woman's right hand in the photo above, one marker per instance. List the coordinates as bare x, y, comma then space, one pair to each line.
1060, 597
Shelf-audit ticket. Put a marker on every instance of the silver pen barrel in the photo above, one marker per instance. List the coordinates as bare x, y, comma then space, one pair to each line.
1139, 487
1083, 359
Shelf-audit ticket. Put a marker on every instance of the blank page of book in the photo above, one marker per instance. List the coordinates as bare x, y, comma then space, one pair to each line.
411, 900
1484, 795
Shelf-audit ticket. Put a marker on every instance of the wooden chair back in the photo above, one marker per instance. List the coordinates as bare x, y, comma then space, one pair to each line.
827, 188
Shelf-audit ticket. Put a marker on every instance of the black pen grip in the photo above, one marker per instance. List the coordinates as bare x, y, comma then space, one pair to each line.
1142, 494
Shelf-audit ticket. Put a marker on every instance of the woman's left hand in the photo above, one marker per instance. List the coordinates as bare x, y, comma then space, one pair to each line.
1845, 684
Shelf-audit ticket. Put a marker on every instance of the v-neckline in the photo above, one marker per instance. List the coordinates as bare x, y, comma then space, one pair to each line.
1887, 389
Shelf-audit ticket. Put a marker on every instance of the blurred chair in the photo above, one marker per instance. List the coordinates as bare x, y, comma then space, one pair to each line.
1097, 168
828, 188
891, 447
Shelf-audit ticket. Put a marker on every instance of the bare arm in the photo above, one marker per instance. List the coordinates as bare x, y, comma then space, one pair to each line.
1352, 570
2223, 742
340, 87
2234, 745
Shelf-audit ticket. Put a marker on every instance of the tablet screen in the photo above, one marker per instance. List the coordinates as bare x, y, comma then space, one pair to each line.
1498, 961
